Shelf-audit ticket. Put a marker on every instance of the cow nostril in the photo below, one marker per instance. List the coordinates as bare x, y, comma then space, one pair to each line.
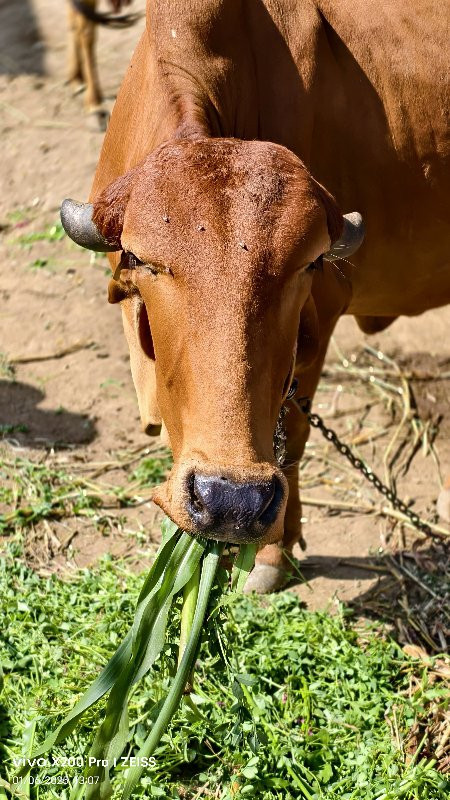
218, 504
196, 501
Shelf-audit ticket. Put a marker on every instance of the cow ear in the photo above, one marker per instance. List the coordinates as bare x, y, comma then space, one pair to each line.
335, 220
117, 291
110, 206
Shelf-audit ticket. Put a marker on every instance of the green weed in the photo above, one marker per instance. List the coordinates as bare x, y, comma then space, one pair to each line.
53, 233
33, 492
42, 492
6, 368
5, 430
151, 471
39, 263
305, 717
19, 215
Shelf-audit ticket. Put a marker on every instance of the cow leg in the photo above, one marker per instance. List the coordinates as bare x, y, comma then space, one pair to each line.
74, 71
87, 39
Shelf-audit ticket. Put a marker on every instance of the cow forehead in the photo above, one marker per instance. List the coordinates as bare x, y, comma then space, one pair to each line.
218, 195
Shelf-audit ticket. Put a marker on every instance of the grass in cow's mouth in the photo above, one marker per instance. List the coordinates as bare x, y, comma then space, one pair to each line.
304, 706
183, 564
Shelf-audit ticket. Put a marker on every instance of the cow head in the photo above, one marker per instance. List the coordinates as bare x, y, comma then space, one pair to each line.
217, 239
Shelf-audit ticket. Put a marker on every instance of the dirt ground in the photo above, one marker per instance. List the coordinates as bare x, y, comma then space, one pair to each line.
80, 408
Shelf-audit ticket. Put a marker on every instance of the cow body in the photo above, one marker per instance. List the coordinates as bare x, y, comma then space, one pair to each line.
353, 89
345, 87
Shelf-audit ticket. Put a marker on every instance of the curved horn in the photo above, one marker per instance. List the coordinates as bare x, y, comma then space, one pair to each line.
77, 222
351, 238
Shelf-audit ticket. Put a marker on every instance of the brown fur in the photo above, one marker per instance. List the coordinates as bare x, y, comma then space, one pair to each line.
109, 209
374, 324
227, 111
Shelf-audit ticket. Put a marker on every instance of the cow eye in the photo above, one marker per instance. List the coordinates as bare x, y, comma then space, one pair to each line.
157, 269
315, 265
129, 260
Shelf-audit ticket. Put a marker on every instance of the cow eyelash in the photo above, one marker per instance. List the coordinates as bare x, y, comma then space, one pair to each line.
315, 266
151, 268
130, 261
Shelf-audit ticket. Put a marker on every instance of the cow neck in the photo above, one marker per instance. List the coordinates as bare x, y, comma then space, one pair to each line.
200, 46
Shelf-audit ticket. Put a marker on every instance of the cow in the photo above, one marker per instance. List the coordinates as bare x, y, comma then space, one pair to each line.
242, 132
83, 18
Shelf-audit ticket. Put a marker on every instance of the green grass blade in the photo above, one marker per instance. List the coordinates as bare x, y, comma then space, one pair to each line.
121, 657
27, 747
112, 734
209, 568
98, 688
181, 573
169, 552
168, 529
243, 566
190, 594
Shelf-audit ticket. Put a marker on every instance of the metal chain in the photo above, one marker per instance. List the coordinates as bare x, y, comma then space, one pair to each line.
316, 421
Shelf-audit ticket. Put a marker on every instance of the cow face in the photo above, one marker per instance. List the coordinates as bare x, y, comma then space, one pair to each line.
217, 237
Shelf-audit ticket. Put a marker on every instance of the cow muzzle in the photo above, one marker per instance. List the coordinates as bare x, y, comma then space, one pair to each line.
228, 504
233, 511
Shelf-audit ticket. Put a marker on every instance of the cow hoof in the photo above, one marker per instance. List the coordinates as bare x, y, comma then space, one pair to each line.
443, 504
265, 579
97, 120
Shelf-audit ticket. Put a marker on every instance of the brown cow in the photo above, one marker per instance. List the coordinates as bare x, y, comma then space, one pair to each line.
231, 119
83, 18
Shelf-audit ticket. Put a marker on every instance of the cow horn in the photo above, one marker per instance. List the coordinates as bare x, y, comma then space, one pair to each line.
352, 237
77, 222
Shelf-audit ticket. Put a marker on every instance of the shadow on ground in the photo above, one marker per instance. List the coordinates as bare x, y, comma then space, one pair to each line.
21, 46
411, 592
337, 567
23, 421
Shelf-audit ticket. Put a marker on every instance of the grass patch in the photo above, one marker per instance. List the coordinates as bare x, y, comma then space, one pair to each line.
53, 233
20, 216
318, 709
31, 492
6, 430
7, 370
39, 263
151, 471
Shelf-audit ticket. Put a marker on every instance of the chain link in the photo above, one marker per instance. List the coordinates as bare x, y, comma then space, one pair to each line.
316, 421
